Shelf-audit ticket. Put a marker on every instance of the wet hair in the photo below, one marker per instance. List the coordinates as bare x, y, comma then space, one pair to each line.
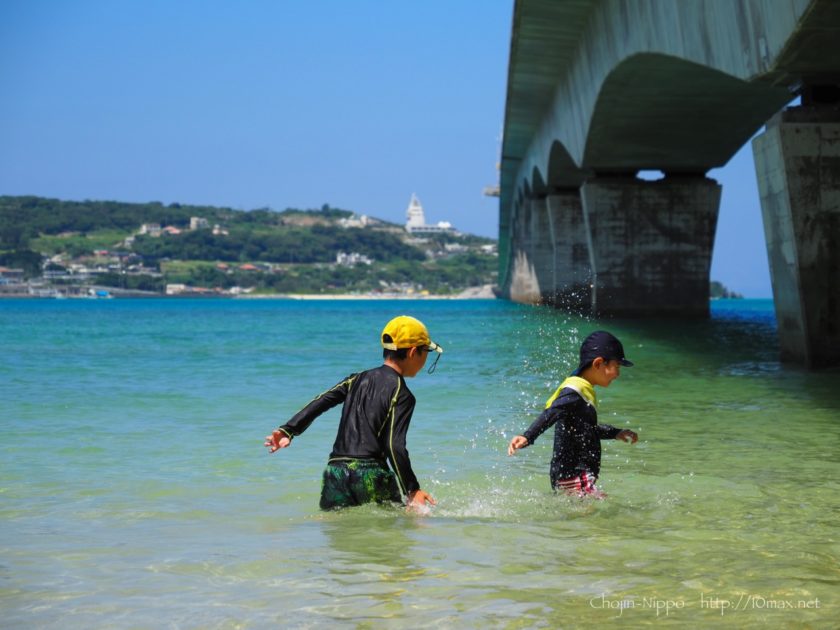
395, 355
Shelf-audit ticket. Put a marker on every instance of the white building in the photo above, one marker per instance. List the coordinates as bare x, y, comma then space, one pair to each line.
354, 221
416, 220
198, 223
352, 259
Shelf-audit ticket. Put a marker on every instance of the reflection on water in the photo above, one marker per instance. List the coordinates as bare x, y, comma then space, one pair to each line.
155, 505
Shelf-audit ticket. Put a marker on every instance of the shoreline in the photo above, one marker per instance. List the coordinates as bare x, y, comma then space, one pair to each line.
349, 297
472, 293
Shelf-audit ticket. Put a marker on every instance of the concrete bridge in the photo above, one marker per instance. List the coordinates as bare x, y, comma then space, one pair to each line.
601, 89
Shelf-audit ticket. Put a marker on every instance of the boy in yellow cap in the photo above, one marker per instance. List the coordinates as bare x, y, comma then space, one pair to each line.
576, 461
374, 421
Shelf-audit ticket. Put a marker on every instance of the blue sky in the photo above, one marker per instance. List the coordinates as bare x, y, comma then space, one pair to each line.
285, 103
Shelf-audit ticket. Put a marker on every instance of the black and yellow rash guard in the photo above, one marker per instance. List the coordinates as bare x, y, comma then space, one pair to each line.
577, 435
374, 420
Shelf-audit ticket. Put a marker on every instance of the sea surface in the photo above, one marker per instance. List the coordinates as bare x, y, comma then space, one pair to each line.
135, 491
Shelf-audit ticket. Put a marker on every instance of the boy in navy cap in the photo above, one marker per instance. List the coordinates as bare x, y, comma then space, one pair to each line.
576, 461
374, 421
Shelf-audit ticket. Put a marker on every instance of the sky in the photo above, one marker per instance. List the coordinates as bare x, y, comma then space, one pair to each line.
284, 104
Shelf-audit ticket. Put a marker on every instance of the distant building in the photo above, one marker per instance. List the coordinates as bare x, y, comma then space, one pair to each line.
456, 248
152, 229
354, 258
416, 220
11, 276
198, 223
57, 272
355, 221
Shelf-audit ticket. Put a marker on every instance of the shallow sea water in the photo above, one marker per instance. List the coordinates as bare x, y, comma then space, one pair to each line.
135, 491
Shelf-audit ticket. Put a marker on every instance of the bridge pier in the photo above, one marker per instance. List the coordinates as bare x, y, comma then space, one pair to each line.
551, 266
523, 285
650, 244
542, 248
797, 161
572, 279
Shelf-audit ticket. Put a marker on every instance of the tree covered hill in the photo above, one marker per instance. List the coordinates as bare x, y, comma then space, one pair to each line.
290, 235
316, 244
38, 233
29, 216
51, 226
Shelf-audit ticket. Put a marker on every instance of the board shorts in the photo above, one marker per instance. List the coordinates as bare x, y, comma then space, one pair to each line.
349, 482
579, 486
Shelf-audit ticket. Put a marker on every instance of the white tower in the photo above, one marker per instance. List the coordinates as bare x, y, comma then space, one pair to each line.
415, 218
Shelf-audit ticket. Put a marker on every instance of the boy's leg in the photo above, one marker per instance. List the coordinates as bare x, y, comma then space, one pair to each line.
335, 487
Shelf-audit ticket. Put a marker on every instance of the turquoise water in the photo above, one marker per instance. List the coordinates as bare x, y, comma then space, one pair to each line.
135, 491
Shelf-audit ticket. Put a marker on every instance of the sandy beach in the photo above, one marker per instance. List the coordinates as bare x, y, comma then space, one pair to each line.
484, 292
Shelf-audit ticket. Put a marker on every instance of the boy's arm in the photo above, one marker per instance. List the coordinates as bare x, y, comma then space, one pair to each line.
397, 429
277, 440
282, 437
626, 435
518, 441
539, 426
543, 423
418, 499
609, 432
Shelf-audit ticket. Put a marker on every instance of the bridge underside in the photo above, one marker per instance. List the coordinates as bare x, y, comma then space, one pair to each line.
579, 230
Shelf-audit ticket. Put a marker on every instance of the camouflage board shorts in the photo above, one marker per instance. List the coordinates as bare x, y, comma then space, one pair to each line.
356, 481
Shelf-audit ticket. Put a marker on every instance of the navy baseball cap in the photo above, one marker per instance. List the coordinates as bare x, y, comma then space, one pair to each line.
600, 344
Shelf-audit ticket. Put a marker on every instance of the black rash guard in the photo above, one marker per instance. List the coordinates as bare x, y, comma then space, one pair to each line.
374, 420
577, 436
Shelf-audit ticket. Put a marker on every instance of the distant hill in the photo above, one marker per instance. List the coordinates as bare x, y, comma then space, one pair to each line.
262, 249
718, 291
291, 235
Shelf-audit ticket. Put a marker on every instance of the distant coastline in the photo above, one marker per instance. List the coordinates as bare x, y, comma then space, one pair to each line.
484, 292
473, 293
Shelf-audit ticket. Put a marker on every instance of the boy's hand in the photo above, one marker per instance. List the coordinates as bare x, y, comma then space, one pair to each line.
519, 441
627, 435
276, 440
417, 501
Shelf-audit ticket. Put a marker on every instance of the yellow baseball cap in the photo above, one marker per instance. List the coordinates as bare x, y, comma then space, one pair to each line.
407, 332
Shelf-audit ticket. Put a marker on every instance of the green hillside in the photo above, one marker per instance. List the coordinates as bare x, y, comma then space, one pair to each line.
147, 246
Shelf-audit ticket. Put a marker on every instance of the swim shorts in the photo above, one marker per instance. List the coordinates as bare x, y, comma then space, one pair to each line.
580, 486
349, 482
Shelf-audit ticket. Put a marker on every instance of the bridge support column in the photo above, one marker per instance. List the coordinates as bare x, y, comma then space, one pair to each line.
523, 285
650, 244
797, 160
572, 280
542, 249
